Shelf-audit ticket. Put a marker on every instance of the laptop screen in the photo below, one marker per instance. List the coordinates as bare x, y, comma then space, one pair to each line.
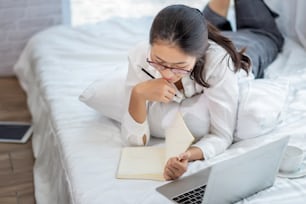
246, 174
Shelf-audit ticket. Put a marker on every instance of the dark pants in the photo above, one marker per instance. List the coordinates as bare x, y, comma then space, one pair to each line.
256, 30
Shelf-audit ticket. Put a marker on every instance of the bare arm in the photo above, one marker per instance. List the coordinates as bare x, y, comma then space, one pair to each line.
220, 6
137, 106
153, 90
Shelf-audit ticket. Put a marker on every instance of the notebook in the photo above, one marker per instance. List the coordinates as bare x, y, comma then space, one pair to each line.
148, 162
230, 180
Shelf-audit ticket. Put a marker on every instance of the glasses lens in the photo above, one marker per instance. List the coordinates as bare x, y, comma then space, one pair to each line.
180, 71
162, 67
155, 65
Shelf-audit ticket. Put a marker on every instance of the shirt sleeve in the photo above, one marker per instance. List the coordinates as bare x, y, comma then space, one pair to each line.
222, 96
132, 132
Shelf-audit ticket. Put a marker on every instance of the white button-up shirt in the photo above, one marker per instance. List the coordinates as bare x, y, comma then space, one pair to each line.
209, 113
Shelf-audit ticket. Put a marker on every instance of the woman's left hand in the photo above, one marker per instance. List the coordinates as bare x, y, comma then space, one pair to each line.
176, 166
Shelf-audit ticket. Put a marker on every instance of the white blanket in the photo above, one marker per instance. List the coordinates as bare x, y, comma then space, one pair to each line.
77, 149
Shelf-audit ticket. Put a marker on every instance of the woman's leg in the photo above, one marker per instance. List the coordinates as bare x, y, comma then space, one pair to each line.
216, 11
256, 16
253, 15
256, 31
220, 6
256, 24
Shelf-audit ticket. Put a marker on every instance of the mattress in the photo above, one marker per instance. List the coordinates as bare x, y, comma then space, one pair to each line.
77, 150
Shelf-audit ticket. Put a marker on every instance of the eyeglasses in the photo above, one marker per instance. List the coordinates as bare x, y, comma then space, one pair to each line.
161, 67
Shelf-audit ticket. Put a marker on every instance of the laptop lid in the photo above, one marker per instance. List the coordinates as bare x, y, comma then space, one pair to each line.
242, 176
236, 178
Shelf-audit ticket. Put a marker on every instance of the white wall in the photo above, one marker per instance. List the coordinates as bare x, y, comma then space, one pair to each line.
292, 20
93, 11
20, 19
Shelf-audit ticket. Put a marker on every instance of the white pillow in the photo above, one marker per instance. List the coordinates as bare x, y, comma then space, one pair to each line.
262, 107
106, 95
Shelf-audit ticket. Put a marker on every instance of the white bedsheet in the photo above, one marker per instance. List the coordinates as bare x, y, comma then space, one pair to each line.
77, 149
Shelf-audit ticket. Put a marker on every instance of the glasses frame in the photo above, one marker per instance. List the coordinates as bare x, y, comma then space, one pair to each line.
161, 67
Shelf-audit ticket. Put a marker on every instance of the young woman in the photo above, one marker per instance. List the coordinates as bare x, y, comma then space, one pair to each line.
189, 66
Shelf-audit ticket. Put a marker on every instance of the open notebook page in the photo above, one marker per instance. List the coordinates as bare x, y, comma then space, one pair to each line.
149, 162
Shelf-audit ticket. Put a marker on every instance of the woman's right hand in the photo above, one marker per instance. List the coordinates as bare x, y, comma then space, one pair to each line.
155, 90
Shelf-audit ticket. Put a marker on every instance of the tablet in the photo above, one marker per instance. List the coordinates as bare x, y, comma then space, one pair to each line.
16, 132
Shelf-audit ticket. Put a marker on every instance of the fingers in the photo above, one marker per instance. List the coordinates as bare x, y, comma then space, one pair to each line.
169, 92
157, 90
167, 87
171, 86
175, 168
168, 97
169, 174
184, 156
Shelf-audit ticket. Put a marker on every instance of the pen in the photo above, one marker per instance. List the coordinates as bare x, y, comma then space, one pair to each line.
145, 71
150, 75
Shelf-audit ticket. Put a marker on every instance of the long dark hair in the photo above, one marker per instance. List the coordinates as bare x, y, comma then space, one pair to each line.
187, 28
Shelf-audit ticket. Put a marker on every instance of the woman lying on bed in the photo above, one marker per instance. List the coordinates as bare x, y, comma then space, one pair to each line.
189, 66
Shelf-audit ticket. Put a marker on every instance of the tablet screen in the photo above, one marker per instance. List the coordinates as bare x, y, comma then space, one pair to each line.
14, 132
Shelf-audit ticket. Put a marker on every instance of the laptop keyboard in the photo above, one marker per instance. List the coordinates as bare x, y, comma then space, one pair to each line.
194, 196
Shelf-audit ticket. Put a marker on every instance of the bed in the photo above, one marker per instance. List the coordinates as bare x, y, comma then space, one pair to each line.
77, 149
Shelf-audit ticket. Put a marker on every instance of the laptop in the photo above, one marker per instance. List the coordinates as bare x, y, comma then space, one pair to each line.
231, 180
